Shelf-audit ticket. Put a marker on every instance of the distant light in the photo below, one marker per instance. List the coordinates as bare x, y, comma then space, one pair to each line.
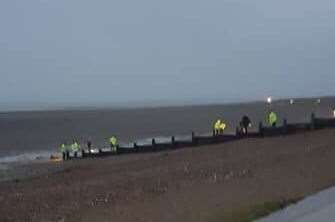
291, 101
318, 100
334, 113
94, 151
269, 99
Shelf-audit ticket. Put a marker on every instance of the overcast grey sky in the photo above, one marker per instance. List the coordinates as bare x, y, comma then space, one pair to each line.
109, 52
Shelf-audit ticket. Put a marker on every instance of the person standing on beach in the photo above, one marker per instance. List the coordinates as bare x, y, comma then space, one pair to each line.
63, 150
78, 146
272, 118
222, 127
219, 127
89, 146
114, 144
68, 149
245, 124
216, 127
75, 148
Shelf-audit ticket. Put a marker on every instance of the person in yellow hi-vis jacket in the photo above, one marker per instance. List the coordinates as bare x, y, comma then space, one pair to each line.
272, 118
114, 144
216, 127
219, 127
62, 149
222, 127
75, 148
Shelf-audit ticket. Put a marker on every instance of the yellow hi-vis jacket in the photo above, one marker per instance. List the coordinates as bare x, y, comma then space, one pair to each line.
222, 126
62, 148
113, 141
272, 118
75, 147
217, 125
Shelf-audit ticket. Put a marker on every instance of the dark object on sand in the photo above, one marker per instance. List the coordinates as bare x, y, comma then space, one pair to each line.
245, 123
67, 155
89, 145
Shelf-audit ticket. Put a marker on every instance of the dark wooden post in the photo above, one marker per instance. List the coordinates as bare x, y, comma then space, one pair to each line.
193, 137
117, 151
173, 142
260, 129
312, 121
67, 155
285, 126
153, 143
237, 132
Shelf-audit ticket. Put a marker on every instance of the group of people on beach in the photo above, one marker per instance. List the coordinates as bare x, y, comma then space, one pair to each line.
65, 149
218, 128
75, 147
245, 123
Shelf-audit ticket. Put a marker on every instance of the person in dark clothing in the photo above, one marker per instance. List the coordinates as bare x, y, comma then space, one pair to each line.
245, 124
89, 145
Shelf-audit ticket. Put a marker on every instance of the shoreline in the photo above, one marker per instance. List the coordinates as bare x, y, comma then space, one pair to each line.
18, 171
28, 132
31, 132
36, 156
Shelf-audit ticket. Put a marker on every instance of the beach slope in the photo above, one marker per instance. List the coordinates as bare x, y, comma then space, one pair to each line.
207, 183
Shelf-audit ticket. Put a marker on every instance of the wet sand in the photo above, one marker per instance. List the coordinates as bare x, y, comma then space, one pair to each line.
25, 132
199, 184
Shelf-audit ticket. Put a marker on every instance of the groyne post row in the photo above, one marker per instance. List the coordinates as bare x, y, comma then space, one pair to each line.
263, 131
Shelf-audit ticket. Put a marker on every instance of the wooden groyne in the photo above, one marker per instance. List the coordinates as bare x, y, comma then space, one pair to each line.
196, 140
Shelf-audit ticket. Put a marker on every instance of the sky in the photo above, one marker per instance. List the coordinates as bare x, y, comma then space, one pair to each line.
56, 53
